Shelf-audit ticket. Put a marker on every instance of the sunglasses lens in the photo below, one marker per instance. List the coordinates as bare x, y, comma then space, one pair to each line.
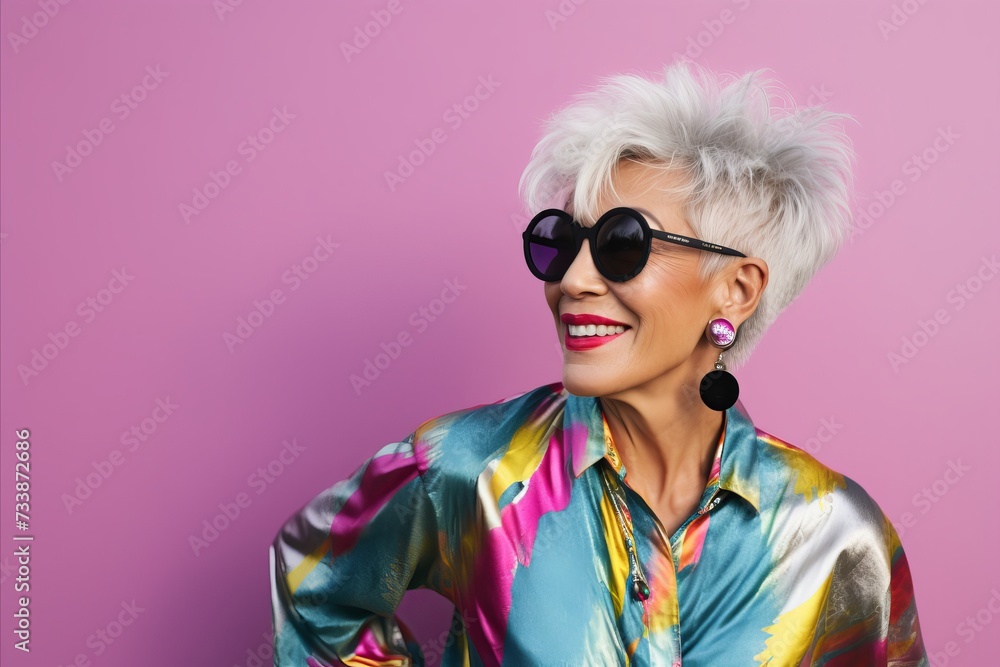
621, 245
550, 247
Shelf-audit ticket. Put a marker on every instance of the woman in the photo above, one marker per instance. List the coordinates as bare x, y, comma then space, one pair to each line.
633, 513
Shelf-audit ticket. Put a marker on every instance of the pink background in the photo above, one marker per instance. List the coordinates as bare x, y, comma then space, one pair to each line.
821, 378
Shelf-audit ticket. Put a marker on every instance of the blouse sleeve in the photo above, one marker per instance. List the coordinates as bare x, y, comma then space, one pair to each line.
867, 608
905, 644
340, 566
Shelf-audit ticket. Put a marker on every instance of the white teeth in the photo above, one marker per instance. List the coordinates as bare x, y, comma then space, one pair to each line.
579, 330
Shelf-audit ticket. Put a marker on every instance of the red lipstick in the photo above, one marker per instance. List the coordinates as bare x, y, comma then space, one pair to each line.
586, 318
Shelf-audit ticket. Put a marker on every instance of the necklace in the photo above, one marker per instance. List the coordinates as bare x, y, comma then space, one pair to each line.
640, 587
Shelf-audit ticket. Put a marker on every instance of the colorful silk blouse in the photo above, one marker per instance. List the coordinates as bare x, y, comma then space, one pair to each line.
501, 509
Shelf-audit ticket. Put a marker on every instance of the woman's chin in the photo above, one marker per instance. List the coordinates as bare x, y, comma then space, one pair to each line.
587, 382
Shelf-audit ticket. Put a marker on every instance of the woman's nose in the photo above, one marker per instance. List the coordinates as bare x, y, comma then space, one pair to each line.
582, 275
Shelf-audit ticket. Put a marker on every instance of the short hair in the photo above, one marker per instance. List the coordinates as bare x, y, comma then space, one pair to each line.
771, 180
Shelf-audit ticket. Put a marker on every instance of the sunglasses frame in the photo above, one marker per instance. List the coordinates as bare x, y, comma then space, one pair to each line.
590, 233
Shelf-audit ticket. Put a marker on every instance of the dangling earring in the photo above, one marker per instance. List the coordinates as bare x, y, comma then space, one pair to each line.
719, 389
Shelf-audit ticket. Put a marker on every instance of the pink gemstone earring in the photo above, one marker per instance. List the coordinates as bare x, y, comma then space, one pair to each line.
719, 389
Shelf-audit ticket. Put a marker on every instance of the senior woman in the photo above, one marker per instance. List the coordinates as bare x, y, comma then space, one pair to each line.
632, 514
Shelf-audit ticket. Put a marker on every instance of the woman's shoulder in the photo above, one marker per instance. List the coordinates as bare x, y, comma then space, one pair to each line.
799, 477
470, 437
812, 508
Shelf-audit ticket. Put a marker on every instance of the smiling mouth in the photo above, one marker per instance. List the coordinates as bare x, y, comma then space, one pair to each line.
596, 330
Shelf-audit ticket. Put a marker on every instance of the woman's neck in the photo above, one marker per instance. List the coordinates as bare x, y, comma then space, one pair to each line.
666, 440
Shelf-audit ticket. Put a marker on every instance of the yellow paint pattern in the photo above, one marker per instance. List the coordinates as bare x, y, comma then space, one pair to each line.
620, 578
302, 570
522, 457
812, 478
792, 632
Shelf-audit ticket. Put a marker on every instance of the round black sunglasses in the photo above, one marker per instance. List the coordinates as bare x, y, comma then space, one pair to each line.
619, 243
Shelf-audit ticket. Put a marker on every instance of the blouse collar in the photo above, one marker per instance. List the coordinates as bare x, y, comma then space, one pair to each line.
739, 465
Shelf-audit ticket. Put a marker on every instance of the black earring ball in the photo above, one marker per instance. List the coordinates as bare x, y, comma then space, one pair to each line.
719, 390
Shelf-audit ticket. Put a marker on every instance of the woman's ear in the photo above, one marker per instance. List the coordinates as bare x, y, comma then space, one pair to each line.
742, 285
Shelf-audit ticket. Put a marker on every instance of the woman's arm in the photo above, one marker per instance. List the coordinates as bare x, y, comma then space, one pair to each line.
340, 566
